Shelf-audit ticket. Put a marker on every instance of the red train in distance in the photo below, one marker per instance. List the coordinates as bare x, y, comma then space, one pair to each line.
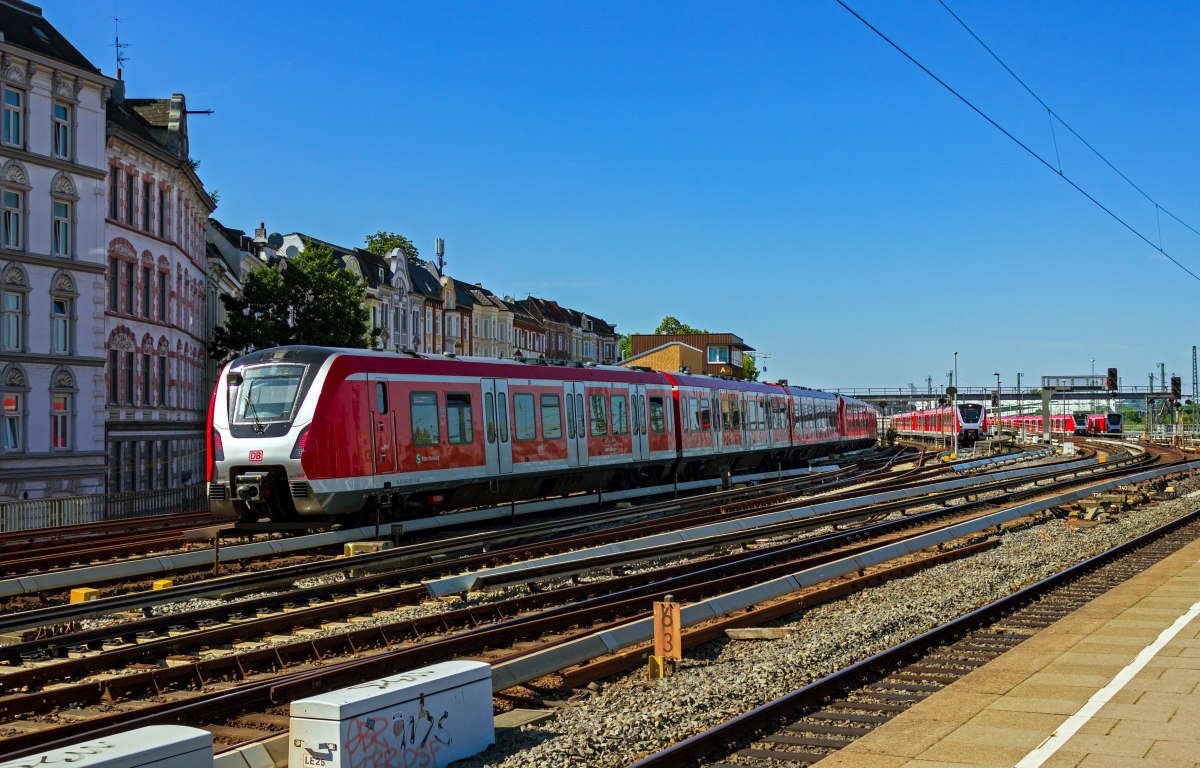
1105, 424
1060, 425
301, 433
969, 422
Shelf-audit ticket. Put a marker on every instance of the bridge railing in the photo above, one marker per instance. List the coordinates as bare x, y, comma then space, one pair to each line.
25, 514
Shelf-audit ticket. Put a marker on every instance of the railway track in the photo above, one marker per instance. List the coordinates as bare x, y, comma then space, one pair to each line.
804, 726
573, 610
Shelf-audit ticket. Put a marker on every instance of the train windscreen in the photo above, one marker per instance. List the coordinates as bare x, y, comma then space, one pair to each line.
1114, 420
267, 393
970, 412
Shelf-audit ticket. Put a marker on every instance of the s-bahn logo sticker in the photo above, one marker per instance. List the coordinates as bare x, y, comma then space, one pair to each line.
256, 455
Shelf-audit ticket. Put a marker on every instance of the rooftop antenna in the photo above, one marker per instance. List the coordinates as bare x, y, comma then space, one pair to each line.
440, 249
122, 59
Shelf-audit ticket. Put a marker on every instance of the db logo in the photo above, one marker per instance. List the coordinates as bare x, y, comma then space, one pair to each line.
256, 455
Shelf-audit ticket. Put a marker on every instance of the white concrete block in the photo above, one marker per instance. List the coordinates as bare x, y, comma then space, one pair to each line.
156, 746
429, 717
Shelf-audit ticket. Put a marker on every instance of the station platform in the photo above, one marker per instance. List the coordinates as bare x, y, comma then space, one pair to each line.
1116, 683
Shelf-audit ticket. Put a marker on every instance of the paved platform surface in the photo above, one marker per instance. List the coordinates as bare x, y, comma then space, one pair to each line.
1134, 695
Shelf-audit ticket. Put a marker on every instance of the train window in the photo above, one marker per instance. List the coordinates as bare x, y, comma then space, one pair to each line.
735, 415
705, 414
570, 416
599, 411
620, 416
459, 428
726, 418
697, 425
658, 416
380, 398
716, 415
502, 415
579, 415
489, 416
524, 419
552, 417
424, 418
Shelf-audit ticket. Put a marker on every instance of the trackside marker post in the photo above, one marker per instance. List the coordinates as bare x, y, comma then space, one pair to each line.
668, 645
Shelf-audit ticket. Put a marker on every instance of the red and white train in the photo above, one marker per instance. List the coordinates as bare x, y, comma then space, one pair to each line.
968, 422
1065, 424
1060, 425
300, 433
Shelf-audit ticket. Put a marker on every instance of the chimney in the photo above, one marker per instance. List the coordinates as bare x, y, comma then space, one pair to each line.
260, 234
118, 92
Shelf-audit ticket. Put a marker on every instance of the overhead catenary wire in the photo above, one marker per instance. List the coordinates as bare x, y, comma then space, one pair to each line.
1017, 141
1055, 116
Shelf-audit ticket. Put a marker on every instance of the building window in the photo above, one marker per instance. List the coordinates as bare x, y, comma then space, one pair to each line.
12, 224
114, 275
129, 286
162, 213
62, 130
146, 379
424, 416
60, 326
61, 234
114, 193
146, 189
147, 286
130, 191
129, 378
14, 117
718, 354
12, 322
162, 381
60, 422
11, 435
113, 375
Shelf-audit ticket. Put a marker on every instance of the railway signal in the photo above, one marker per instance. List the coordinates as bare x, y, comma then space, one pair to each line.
1176, 388
1110, 381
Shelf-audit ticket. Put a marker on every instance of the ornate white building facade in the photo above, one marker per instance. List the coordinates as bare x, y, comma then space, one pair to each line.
52, 182
157, 387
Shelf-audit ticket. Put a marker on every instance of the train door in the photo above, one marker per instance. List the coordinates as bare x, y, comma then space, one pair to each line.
383, 432
577, 446
637, 410
497, 440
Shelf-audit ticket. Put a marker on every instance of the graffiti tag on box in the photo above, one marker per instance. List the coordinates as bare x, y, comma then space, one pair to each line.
407, 740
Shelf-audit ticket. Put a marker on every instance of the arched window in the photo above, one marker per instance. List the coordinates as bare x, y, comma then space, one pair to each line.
62, 216
14, 202
14, 307
62, 409
164, 351
62, 313
14, 402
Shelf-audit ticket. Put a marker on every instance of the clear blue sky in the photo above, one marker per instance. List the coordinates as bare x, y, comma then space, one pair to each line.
774, 169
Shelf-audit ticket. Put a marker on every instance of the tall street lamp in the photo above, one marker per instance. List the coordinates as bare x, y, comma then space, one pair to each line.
996, 418
954, 414
1021, 407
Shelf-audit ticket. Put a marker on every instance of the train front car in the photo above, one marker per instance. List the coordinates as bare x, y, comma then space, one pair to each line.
971, 418
262, 409
1114, 423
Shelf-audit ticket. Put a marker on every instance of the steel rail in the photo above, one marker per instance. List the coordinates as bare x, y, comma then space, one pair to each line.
748, 724
683, 581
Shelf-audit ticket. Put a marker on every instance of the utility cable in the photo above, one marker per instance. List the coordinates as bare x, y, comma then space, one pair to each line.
1014, 139
1055, 116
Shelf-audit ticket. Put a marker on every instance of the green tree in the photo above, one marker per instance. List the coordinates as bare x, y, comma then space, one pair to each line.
749, 368
672, 325
381, 242
626, 345
313, 300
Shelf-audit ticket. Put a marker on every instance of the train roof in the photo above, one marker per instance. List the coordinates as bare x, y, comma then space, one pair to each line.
415, 362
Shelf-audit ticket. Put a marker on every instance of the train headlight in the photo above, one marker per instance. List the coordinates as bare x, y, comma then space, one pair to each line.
298, 448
